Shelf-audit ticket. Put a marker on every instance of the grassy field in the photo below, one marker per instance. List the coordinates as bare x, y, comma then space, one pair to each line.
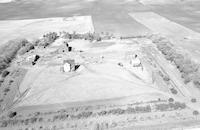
107, 91
35, 28
183, 37
108, 16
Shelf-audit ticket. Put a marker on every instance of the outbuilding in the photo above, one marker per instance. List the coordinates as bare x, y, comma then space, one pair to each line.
68, 65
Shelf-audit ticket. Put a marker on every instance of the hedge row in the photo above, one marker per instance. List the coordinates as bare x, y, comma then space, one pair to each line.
9, 51
20, 46
189, 69
47, 39
86, 36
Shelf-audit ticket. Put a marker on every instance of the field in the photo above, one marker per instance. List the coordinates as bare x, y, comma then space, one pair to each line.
105, 67
182, 36
34, 28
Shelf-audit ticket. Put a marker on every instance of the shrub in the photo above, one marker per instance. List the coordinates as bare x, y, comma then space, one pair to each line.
86, 36
188, 68
5, 73
9, 51
36, 42
11, 81
26, 49
84, 115
170, 106
187, 77
193, 100
185, 65
48, 39
66, 35
1, 100
195, 112
4, 124
179, 62
173, 90
170, 55
196, 80
6, 90
130, 110
162, 107
1, 81
96, 37
178, 105
3, 64
12, 114
171, 100
166, 78
143, 109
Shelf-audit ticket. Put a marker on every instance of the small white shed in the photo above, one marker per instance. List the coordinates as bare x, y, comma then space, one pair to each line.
135, 61
66, 67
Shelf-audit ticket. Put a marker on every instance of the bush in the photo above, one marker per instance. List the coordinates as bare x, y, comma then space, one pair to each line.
166, 78
3, 64
193, 100
170, 106
11, 81
188, 68
1, 81
173, 90
12, 114
86, 36
185, 65
48, 39
195, 113
9, 51
171, 100
179, 62
196, 80
36, 42
4, 124
26, 49
6, 90
178, 105
170, 55
187, 77
5, 73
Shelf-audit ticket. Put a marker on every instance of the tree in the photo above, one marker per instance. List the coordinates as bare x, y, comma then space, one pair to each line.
9, 51
1, 81
36, 42
5, 73
48, 39
196, 80
178, 60
6, 90
173, 90
171, 100
12, 114
187, 77
195, 113
26, 48
193, 100
3, 65
170, 55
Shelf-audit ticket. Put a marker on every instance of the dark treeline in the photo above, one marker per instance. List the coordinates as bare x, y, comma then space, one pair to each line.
87, 36
20, 46
189, 69
9, 51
